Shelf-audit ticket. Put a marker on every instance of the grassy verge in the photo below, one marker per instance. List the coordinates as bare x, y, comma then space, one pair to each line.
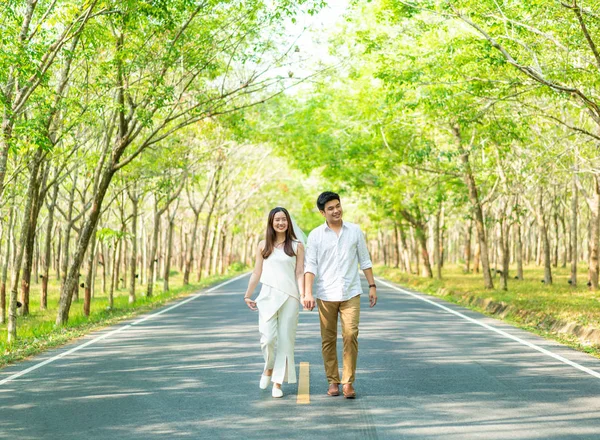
534, 306
37, 331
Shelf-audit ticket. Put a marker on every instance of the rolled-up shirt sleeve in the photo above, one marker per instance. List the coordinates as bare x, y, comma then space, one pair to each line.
364, 259
310, 260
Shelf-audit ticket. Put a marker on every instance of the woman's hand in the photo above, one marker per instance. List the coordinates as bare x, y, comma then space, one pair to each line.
250, 303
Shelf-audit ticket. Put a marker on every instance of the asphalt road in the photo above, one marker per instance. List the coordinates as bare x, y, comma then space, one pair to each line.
192, 371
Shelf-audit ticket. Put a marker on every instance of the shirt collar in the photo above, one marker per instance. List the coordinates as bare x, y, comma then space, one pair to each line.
327, 226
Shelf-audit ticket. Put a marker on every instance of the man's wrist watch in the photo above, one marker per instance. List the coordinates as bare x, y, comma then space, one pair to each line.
372, 285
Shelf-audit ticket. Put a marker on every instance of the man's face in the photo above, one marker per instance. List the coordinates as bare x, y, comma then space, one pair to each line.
333, 211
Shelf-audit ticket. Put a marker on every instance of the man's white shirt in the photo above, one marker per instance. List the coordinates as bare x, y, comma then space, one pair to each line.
334, 260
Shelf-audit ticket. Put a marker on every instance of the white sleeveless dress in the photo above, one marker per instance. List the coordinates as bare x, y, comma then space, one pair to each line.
278, 282
278, 306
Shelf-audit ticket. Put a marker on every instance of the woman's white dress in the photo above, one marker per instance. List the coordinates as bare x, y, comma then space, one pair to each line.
278, 306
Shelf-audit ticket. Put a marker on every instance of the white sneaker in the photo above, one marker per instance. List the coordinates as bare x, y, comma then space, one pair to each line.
264, 382
276, 392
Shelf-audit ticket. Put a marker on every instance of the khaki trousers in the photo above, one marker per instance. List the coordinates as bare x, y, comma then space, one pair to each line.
349, 312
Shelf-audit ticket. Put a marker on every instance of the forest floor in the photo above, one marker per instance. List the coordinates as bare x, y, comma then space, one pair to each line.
37, 331
532, 305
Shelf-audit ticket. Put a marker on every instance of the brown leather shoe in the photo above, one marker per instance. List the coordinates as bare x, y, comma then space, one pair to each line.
334, 389
348, 391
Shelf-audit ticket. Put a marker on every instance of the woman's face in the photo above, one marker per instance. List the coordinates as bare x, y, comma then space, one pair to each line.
280, 223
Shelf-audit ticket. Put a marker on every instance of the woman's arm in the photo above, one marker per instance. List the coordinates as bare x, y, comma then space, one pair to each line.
300, 269
255, 277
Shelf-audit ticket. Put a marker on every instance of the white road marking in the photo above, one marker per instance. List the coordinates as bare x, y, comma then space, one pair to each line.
496, 330
118, 330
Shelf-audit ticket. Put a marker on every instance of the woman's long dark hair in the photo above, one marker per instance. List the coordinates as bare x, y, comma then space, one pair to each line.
271, 235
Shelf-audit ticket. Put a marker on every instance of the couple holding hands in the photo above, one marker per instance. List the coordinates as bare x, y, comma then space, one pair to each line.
289, 276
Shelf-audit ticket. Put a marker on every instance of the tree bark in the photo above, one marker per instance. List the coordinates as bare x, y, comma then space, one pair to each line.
9, 230
29, 208
519, 256
545, 241
38, 180
477, 210
573, 231
48, 247
135, 200
89, 280
437, 257
467, 251
169, 250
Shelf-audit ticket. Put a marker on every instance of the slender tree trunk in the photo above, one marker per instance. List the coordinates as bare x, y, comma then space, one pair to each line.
48, 247
396, 246
573, 232
87, 295
476, 258
27, 215
190, 251
519, 256
134, 251
566, 238
169, 251
422, 238
153, 249
437, 257
114, 274
38, 181
595, 234
477, 211
57, 255
557, 242
67, 233
467, 252
543, 232
11, 224
405, 251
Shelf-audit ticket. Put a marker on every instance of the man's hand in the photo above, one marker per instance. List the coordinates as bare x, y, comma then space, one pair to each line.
373, 296
308, 302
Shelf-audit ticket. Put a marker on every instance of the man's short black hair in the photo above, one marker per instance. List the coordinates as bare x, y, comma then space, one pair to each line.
325, 197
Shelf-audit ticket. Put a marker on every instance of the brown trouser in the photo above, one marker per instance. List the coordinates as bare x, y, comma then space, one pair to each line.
349, 312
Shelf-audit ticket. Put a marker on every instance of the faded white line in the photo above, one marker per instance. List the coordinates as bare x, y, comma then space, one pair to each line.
496, 330
118, 330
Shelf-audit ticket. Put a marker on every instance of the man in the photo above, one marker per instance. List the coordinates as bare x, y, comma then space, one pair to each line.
334, 252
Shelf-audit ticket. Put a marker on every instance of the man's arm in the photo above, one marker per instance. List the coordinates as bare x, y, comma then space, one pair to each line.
367, 267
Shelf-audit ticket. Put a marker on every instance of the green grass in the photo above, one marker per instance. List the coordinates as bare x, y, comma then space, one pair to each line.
37, 332
537, 304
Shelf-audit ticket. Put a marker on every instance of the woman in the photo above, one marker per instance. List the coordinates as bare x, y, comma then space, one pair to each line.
280, 268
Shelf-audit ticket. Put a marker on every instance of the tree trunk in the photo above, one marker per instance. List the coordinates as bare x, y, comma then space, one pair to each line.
48, 247
595, 234
543, 232
11, 224
190, 251
27, 215
519, 256
557, 242
113, 274
38, 181
467, 252
405, 251
87, 295
134, 251
477, 211
169, 251
436, 245
573, 232
153, 249
422, 239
